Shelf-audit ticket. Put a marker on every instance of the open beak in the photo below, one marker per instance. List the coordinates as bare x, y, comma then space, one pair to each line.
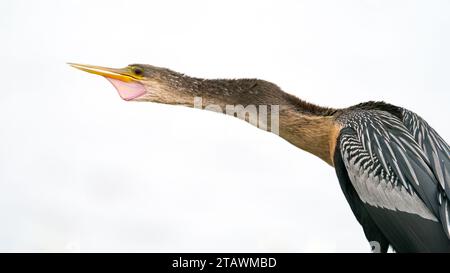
128, 87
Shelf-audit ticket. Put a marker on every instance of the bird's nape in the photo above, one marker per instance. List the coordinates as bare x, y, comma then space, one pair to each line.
125, 80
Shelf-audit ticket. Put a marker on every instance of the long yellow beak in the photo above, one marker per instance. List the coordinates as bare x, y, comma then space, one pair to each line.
122, 74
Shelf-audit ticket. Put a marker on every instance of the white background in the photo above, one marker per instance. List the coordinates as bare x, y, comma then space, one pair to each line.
80, 169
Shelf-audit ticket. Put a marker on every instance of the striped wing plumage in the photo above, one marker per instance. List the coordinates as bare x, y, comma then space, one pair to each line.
399, 170
437, 152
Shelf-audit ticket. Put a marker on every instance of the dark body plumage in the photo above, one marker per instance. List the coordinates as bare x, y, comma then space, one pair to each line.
393, 169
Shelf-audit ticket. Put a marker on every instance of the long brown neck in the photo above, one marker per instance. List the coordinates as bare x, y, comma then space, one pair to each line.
307, 126
315, 134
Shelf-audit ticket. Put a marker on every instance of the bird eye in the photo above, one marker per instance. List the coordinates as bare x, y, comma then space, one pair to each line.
138, 71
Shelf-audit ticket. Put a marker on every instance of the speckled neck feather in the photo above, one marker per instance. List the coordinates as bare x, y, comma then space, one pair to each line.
307, 126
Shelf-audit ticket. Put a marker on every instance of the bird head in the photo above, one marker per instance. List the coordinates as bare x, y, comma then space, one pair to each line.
142, 82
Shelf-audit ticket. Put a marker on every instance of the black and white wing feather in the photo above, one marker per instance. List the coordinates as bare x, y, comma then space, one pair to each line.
437, 152
394, 178
435, 148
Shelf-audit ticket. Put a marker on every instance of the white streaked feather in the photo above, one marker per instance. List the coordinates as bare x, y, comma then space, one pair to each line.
447, 216
381, 193
439, 172
411, 169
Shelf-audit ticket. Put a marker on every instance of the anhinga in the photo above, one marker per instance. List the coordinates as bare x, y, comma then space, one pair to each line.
393, 168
